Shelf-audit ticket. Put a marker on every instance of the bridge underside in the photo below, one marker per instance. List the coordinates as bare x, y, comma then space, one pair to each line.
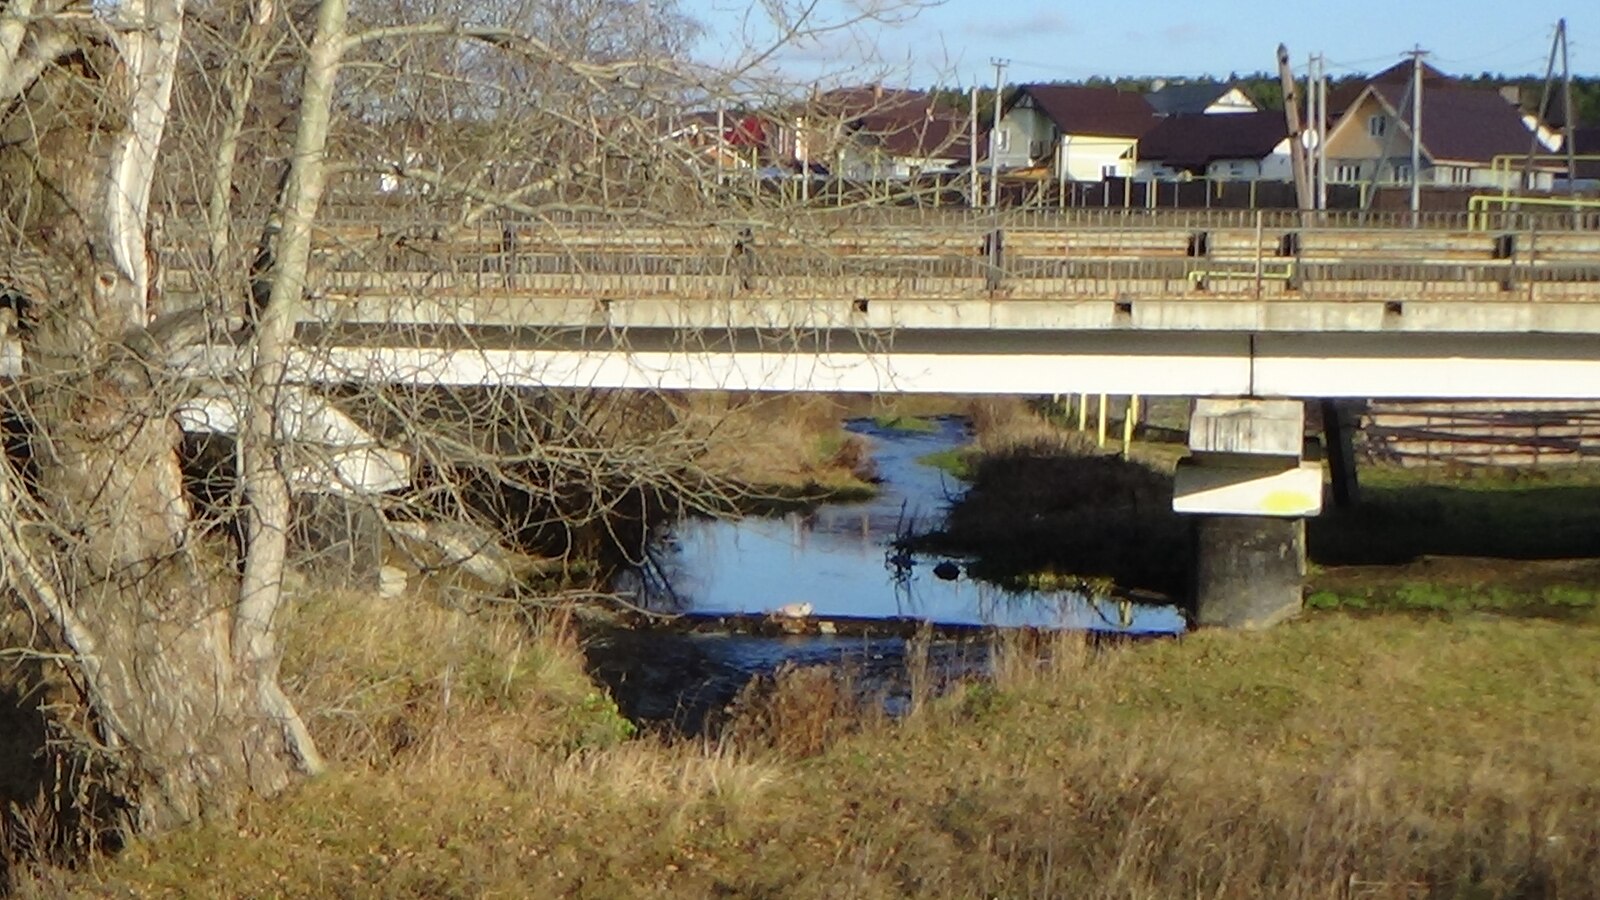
1172, 363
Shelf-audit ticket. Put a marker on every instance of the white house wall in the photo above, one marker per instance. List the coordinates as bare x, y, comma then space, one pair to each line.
1087, 158
1234, 101
1022, 127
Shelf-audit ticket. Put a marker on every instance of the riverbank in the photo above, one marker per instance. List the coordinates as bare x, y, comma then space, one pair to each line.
1045, 504
1449, 755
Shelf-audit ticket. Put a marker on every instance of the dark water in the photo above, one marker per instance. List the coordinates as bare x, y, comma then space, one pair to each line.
839, 559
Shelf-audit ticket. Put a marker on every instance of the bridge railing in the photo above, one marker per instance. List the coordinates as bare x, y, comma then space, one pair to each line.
933, 253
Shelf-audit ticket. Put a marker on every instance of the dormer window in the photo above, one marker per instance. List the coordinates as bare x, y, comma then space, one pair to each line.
1378, 125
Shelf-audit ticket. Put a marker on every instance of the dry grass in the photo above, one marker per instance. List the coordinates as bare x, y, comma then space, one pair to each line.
1045, 508
784, 445
1333, 758
416, 681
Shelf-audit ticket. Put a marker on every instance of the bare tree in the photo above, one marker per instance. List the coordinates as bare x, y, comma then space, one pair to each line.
394, 135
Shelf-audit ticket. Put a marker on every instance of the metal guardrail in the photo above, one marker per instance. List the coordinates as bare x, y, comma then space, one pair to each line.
1012, 254
419, 220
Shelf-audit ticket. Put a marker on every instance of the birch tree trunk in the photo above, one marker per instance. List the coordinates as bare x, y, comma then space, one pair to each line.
174, 656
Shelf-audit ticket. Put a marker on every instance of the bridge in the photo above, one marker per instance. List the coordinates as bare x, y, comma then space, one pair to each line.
1192, 303
1249, 311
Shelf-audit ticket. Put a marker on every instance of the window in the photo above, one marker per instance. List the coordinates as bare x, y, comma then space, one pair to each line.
1002, 140
1378, 125
1108, 172
1460, 175
1347, 172
1402, 173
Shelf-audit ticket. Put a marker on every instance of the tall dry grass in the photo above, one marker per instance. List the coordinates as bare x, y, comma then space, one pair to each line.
1332, 758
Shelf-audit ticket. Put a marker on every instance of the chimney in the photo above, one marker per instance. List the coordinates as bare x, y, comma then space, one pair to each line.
1512, 94
1157, 84
877, 91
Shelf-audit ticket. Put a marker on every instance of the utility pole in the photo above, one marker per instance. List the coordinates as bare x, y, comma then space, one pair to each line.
1567, 125
1319, 90
1417, 53
722, 139
976, 192
1291, 111
994, 131
1543, 113
1314, 129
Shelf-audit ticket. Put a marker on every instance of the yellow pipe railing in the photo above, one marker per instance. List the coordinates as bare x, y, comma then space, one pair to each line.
1478, 206
1268, 274
1505, 161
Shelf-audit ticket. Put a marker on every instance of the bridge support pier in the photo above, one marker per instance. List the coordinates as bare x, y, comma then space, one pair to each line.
1249, 570
1250, 491
1338, 430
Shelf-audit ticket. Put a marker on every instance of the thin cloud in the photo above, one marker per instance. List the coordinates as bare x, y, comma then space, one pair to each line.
1040, 23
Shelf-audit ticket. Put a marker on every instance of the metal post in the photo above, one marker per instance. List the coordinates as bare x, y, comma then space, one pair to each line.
1129, 418
1101, 441
1083, 412
1258, 254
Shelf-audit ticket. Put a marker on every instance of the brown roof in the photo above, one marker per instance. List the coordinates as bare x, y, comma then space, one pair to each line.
1193, 141
1340, 98
855, 102
1463, 124
1586, 142
920, 134
1099, 111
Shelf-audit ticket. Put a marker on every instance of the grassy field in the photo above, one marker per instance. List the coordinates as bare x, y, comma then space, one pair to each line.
1392, 755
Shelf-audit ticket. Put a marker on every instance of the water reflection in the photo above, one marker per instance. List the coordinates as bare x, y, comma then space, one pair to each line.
839, 558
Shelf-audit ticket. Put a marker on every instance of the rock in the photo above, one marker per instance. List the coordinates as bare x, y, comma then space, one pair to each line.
470, 551
391, 582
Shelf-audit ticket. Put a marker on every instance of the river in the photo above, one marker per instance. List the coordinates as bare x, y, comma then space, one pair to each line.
837, 560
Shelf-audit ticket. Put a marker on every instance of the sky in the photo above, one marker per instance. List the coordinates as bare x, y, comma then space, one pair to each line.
1047, 40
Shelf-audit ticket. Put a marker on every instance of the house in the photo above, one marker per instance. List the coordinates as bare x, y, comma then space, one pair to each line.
874, 133
1251, 146
725, 140
1078, 133
907, 143
1463, 130
1188, 98
1586, 172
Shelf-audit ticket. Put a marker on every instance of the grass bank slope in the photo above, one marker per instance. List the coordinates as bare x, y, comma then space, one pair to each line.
1453, 755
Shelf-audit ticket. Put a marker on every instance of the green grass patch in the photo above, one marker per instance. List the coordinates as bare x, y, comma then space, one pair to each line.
1561, 601
916, 424
956, 461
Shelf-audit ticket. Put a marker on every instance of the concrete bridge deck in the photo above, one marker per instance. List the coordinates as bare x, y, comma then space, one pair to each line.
1230, 304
